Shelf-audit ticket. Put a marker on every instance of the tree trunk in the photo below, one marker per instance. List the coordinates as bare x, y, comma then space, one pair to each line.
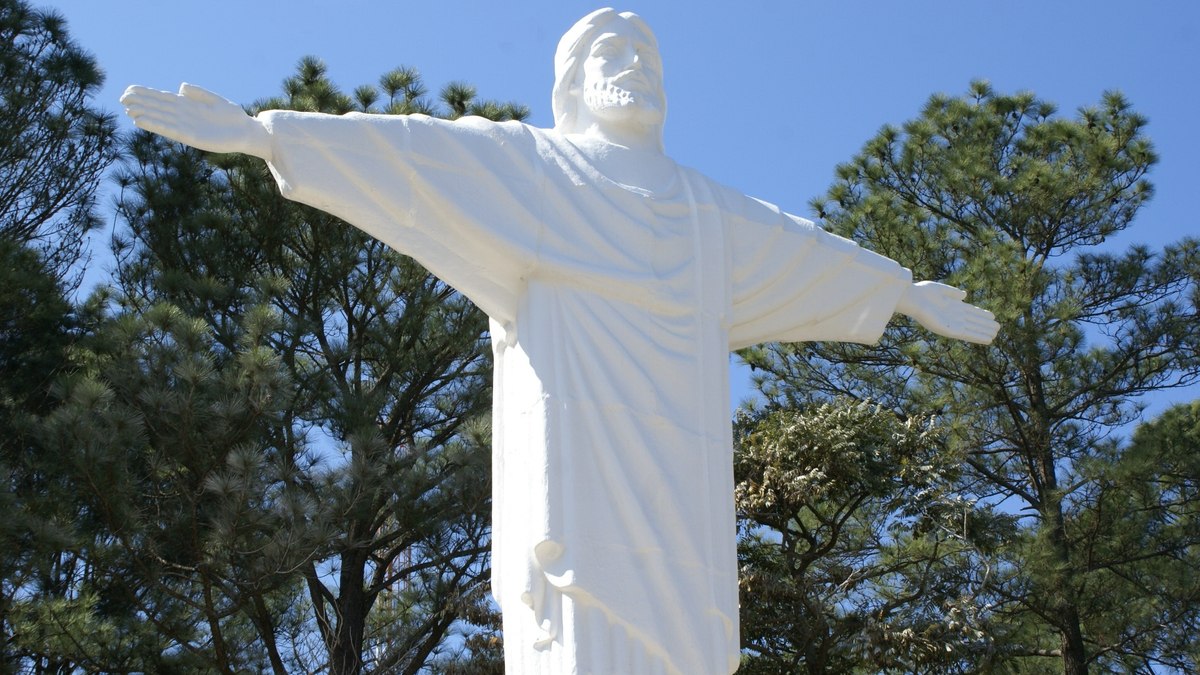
345, 654
1063, 603
1065, 606
1073, 652
266, 630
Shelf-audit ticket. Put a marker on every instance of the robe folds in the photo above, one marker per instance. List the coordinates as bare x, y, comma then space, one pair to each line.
613, 311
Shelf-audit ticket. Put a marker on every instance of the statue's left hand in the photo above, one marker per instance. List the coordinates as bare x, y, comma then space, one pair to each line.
941, 309
199, 118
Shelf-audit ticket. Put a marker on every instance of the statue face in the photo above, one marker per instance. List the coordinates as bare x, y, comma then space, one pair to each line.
622, 77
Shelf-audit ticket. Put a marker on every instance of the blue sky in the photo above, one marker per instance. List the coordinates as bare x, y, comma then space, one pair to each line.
766, 96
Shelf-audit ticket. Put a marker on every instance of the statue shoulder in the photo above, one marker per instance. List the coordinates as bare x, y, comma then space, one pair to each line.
508, 130
748, 210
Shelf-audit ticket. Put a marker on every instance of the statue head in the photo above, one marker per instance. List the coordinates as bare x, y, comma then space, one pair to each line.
607, 68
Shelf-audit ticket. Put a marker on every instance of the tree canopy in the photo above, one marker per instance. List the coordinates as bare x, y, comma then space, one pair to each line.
998, 194
54, 144
275, 433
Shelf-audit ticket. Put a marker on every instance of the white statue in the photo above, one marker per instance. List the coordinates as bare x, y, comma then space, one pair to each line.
617, 283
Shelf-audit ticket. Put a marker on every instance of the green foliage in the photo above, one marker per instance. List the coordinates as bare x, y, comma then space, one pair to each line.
265, 449
844, 509
156, 434
1145, 498
998, 195
34, 324
54, 147
378, 453
35, 320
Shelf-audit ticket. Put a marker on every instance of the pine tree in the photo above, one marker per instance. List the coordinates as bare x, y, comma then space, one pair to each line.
164, 435
54, 149
997, 194
388, 370
850, 540
35, 337
54, 146
1145, 498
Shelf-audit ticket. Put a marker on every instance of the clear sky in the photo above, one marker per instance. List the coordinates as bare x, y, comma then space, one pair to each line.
764, 95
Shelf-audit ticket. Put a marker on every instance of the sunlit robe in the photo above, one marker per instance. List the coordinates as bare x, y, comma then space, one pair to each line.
613, 311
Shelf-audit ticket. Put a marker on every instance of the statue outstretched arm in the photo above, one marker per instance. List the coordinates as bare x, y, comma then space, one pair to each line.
199, 118
940, 308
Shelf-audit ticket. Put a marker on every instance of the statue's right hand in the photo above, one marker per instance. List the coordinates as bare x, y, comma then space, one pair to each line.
197, 117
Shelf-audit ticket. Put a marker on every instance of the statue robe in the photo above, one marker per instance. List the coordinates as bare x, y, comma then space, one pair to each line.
613, 311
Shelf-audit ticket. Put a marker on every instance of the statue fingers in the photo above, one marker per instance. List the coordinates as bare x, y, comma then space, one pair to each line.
980, 327
988, 328
986, 337
145, 97
131, 94
137, 108
155, 124
166, 126
968, 333
962, 314
979, 314
201, 94
968, 323
135, 91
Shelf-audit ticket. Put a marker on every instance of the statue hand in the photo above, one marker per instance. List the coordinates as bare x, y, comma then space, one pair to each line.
197, 117
940, 308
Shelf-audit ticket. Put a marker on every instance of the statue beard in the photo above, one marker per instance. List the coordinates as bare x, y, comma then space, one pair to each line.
604, 95
605, 98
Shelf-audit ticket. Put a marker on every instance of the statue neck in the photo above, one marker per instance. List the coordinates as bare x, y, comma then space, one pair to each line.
644, 138
637, 167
